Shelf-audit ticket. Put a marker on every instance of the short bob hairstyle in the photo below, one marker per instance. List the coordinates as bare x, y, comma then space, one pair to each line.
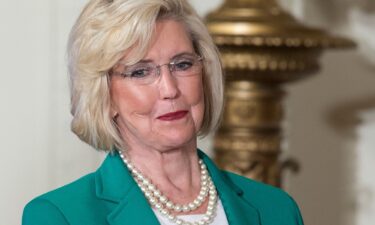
103, 33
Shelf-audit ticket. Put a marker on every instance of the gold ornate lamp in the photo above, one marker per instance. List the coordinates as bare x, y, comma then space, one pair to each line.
262, 47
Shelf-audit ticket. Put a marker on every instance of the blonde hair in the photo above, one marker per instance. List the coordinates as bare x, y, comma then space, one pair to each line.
102, 34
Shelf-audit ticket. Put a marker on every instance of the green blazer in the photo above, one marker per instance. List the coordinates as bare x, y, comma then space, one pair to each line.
111, 196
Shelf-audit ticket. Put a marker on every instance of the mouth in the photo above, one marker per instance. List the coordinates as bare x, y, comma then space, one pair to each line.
173, 115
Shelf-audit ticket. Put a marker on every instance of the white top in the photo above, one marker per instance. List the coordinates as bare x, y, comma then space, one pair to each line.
219, 219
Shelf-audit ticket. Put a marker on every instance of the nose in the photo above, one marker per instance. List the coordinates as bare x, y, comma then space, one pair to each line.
168, 84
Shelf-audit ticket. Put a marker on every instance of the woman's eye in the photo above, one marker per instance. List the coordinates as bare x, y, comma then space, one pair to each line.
138, 73
183, 65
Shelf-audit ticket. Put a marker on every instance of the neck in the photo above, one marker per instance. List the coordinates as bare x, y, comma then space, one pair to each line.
174, 171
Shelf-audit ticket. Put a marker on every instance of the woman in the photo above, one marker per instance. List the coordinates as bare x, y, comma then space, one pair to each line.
145, 81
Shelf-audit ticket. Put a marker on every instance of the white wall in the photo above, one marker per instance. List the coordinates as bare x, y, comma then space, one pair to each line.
37, 147
24, 88
323, 122
364, 185
39, 152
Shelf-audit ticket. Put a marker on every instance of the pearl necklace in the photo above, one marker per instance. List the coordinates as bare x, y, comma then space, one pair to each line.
165, 206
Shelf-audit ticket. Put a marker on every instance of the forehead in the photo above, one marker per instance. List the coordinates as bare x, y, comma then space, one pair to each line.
169, 38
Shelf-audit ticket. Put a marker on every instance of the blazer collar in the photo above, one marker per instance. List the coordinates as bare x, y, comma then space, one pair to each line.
114, 183
237, 209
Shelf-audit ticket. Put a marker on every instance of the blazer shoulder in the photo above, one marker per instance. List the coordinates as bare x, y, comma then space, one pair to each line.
272, 202
51, 207
41, 211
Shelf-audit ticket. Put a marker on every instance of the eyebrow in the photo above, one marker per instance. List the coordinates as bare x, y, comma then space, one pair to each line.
174, 57
171, 59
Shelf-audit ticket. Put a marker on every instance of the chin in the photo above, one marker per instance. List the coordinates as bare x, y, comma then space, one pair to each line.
175, 140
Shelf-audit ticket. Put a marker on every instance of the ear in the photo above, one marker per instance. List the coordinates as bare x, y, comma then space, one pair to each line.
113, 112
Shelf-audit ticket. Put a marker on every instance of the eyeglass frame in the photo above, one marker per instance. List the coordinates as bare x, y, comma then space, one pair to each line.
157, 68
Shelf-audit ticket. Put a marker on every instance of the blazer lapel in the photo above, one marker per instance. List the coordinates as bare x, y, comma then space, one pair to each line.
115, 184
133, 210
237, 209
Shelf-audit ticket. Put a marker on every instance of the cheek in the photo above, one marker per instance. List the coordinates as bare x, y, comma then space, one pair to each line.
195, 98
130, 100
193, 91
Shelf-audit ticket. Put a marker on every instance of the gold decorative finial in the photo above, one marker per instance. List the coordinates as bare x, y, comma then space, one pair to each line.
262, 47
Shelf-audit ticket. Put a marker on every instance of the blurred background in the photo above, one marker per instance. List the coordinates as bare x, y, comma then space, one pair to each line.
329, 124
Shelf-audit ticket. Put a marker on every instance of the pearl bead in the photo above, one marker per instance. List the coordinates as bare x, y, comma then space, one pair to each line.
185, 208
152, 201
192, 205
163, 199
157, 193
169, 205
140, 177
146, 182
164, 212
135, 173
151, 187
206, 218
147, 194
171, 217
177, 208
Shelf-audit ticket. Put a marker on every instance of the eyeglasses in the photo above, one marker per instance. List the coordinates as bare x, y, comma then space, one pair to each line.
144, 73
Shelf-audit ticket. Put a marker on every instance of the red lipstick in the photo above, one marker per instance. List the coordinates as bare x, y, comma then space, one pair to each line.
173, 115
